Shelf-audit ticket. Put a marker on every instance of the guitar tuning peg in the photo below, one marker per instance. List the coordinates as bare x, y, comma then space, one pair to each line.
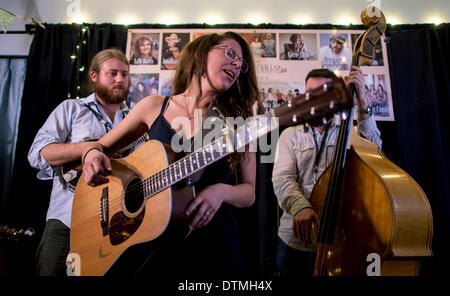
325, 87
344, 115
312, 111
332, 104
294, 118
324, 120
289, 103
307, 96
305, 127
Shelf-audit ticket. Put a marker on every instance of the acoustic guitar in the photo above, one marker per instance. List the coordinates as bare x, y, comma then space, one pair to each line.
71, 172
149, 190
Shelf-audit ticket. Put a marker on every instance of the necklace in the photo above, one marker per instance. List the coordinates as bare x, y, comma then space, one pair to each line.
187, 110
319, 151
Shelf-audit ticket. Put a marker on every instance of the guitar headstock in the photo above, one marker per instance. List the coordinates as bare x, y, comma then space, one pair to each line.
319, 102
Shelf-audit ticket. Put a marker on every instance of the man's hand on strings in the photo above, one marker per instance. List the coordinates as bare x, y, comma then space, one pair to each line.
302, 224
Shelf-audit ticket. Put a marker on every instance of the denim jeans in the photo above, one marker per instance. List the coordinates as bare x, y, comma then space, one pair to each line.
53, 249
292, 262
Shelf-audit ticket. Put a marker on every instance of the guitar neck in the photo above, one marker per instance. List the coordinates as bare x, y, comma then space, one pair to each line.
142, 139
230, 141
318, 102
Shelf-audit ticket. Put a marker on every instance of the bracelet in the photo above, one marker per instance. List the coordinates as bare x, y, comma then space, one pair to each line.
98, 147
368, 110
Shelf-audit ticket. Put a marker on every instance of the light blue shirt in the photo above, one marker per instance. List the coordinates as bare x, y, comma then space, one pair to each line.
71, 122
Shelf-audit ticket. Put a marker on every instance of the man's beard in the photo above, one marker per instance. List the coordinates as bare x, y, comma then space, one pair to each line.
108, 95
336, 49
320, 121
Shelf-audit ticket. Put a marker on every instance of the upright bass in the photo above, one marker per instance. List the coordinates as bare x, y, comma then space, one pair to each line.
374, 218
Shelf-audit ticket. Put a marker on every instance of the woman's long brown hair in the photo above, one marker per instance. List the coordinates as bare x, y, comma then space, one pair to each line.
238, 100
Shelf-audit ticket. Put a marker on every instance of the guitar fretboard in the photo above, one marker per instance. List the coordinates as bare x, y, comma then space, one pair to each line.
208, 154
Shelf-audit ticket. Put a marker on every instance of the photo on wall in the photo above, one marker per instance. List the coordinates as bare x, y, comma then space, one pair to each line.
377, 94
254, 40
172, 44
298, 46
263, 45
378, 58
269, 45
335, 53
141, 86
272, 50
273, 95
166, 86
144, 49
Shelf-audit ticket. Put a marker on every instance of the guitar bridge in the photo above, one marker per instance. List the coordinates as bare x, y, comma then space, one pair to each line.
104, 211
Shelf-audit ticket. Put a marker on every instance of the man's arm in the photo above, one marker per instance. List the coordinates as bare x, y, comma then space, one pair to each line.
367, 127
290, 197
284, 176
56, 129
60, 153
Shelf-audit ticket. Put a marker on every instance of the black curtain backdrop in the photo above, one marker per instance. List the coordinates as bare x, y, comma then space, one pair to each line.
418, 141
420, 67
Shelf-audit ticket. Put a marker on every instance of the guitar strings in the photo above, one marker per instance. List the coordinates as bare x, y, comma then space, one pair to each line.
135, 189
141, 186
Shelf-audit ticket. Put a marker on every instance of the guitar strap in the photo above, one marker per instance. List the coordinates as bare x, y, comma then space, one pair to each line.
100, 117
68, 177
212, 116
207, 134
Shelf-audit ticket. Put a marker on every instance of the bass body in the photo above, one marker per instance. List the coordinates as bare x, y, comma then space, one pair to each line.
384, 226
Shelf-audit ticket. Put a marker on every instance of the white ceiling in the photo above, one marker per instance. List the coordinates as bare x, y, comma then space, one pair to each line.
224, 11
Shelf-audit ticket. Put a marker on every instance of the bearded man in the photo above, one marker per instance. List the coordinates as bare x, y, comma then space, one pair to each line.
336, 56
62, 139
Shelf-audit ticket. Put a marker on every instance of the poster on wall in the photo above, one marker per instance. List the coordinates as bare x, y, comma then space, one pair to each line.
283, 58
144, 48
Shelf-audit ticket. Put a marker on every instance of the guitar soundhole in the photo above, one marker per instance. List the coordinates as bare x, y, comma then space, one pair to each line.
134, 196
125, 223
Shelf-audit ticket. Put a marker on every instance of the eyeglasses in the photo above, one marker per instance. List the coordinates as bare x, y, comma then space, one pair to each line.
232, 55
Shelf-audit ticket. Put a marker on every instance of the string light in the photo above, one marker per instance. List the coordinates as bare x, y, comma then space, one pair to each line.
255, 19
127, 20
212, 19
434, 20
302, 20
392, 20
168, 19
346, 20
79, 19
77, 59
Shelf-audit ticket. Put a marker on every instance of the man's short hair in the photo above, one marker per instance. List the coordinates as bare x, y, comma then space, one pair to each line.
320, 73
105, 55
338, 37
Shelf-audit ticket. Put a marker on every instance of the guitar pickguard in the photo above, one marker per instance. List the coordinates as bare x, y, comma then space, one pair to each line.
122, 227
125, 223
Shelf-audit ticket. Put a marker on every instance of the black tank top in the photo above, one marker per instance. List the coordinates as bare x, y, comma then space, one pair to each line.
161, 129
215, 248
218, 172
